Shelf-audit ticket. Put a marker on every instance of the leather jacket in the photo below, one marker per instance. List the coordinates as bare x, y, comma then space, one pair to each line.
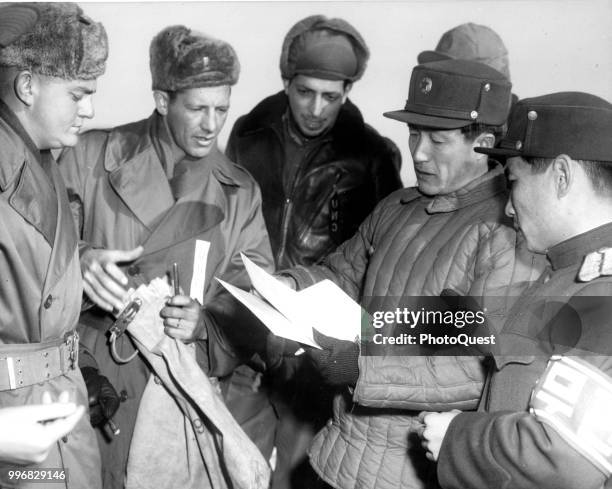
341, 177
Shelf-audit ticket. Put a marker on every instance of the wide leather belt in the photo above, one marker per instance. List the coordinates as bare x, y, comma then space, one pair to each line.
22, 365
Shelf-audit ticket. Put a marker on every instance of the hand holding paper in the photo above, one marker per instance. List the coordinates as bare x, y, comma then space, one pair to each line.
293, 315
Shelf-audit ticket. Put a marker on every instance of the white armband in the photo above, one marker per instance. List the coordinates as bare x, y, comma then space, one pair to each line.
575, 399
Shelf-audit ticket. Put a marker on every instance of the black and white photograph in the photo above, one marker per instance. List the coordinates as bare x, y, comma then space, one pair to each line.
306, 244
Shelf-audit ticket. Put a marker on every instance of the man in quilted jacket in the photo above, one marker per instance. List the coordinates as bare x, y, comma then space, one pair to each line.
447, 236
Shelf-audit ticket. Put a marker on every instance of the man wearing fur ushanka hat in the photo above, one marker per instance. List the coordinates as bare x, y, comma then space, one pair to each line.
321, 169
50, 57
144, 194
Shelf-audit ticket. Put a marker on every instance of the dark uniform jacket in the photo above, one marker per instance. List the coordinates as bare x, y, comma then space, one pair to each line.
342, 176
504, 445
40, 288
121, 198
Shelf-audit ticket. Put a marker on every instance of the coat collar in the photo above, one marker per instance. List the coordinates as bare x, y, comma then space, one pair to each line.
40, 201
572, 251
133, 158
34, 196
483, 188
16, 146
269, 112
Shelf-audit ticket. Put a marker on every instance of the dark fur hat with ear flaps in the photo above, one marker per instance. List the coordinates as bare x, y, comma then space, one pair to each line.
300, 36
182, 59
62, 43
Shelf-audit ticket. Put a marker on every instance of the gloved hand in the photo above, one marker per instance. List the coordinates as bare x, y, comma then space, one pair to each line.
277, 349
337, 362
102, 396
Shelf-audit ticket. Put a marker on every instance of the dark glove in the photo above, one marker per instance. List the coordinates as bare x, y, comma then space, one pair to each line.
102, 396
337, 362
277, 349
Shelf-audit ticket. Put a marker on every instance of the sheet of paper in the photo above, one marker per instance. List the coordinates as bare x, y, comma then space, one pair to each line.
200, 257
278, 294
328, 309
274, 320
323, 306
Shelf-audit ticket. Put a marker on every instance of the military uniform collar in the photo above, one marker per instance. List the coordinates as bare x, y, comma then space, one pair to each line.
483, 188
14, 154
572, 251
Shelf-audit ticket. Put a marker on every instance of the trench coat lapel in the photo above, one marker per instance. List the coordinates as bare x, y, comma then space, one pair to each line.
200, 209
134, 165
33, 198
66, 241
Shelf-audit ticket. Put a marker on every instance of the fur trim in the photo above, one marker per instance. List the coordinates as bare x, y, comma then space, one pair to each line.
15, 20
181, 59
63, 43
316, 22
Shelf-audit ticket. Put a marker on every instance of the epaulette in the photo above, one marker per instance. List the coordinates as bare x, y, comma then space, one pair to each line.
595, 265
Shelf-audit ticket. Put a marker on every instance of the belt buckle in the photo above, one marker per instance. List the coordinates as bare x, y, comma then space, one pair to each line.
72, 342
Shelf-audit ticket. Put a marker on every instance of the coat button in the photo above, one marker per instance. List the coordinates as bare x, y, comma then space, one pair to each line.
48, 301
198, 425
133, 270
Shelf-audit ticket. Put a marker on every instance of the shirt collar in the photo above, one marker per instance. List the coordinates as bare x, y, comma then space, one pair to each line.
483, 188
573, 250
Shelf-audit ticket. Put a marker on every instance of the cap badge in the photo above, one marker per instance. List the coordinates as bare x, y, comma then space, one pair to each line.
474, 114
426, 84
532, 115
206, 62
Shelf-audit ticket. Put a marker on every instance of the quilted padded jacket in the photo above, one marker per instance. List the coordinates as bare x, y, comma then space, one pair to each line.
413, 245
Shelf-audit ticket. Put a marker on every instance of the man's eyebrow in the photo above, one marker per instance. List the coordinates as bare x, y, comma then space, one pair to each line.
84, 90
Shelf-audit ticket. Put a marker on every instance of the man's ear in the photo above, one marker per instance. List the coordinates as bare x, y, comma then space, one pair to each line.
24, 87
162, 100
563, 174
347, 90
286, 83
484, 140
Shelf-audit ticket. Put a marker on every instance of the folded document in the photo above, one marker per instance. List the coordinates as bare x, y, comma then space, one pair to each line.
291, 314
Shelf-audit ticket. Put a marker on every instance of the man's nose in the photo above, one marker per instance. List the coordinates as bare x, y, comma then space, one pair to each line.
317, 106
209, 121
86, 108
419, 151
510, 209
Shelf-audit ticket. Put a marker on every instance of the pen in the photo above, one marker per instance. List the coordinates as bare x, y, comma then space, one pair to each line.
113, 427
175, 279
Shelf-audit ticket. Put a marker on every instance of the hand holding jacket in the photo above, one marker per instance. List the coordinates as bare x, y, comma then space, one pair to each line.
337, 361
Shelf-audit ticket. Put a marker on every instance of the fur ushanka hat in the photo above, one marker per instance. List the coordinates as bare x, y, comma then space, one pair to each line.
321, 47
182, 59
63, 42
